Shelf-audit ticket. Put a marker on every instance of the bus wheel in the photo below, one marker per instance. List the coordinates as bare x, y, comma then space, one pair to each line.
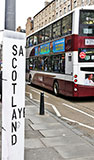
30, 79
56, 88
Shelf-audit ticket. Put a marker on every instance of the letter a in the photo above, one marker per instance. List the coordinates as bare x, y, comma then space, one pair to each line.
21, 51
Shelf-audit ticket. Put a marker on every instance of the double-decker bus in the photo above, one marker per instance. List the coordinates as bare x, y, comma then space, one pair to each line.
60, 56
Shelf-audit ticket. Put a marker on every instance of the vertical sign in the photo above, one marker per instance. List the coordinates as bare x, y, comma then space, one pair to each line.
13, 100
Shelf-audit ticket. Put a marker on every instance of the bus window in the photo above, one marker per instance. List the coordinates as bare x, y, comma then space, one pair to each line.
49, 63
87, 23
27, 43
62, 64
31, 40
35, 39
56, 32
58, 64
48, 33
67, 25
41, 36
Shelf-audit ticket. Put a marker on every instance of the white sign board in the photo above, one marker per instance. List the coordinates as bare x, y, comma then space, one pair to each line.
89, 41
13, 100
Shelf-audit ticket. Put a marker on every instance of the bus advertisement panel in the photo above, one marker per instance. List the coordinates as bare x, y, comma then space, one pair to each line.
45, 49
59, 45
36, 51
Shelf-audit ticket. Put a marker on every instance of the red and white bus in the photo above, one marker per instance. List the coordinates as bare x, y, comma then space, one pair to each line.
60, 56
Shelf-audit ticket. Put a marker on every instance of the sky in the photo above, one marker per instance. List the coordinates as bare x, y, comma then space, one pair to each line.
25, 9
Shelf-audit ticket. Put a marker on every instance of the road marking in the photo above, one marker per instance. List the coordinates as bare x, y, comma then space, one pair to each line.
89, 115
54, 108
39, 92
81, 124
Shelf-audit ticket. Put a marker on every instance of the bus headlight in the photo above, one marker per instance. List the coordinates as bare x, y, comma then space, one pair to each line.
75, 89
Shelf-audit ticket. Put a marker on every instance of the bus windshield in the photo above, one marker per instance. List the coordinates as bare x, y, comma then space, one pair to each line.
86, 23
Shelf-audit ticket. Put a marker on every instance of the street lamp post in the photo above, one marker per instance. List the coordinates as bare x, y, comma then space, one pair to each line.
10, 14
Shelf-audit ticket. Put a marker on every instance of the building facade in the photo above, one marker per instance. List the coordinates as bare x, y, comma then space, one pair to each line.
54, 10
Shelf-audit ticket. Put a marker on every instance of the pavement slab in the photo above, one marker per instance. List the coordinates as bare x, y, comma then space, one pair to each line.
75, 151
88, 158
36, 119
33, 143
46, 126
55, 133
59, 141
42, 154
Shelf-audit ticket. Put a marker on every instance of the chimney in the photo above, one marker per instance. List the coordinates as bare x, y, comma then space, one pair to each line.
46, 2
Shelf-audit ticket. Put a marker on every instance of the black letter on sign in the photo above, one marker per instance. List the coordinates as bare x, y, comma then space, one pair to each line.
14, 114
15, 49
24, 112
21, 51
14, 86
14, 75
14, 126
13, 65
19, 110
13, 105
14, 139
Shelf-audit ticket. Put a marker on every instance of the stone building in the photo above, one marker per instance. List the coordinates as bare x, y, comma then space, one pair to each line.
29, 26
53, 10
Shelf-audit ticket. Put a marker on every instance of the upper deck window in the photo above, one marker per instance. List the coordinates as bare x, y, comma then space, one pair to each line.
67, 25
57, 29
87, 23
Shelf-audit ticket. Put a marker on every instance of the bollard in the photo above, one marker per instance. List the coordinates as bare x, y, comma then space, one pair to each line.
42, 104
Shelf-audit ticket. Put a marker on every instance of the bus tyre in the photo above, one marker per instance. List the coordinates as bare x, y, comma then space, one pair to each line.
30, 79
56, 88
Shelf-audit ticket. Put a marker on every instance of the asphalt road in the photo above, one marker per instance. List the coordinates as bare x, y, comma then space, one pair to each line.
77, 113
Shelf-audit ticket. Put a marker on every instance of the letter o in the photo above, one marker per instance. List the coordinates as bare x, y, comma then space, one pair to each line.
14, 75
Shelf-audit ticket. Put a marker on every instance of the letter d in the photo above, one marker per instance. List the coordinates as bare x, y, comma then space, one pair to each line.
13, 139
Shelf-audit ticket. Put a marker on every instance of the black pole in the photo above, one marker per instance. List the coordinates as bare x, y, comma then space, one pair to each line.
42, 104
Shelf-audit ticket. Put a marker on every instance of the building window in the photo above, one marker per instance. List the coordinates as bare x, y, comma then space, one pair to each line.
64, 10
60, 12
64, 1
75, 4
57, 15
53, 17
82, 2
69, 8
88, 1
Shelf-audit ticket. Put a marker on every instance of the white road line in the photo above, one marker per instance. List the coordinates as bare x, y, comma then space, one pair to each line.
39, 92
89, 115
54, 108
81, 124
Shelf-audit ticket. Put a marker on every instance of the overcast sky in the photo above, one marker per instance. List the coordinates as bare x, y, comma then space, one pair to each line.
25, 9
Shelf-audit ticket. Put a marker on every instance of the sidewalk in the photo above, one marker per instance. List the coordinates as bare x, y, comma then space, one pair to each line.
48, 138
